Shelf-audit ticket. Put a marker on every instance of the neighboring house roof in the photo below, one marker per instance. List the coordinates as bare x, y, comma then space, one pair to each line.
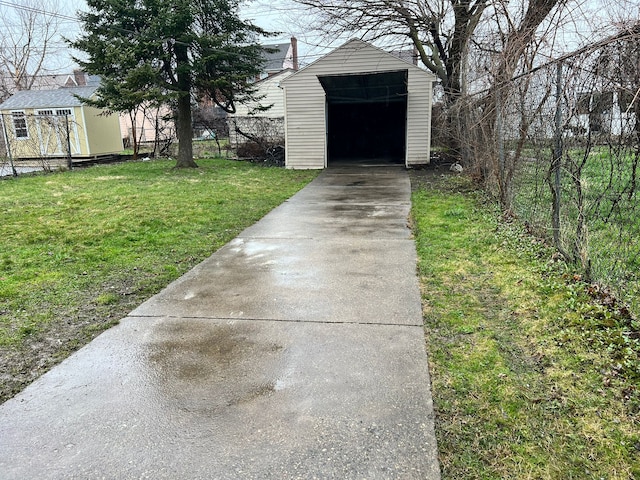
81, 79
78, 78
279, 58
60, 97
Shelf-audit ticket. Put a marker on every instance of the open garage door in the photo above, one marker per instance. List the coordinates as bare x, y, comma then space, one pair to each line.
366, 117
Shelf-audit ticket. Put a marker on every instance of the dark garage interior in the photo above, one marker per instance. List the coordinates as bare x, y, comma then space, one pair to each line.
366, 117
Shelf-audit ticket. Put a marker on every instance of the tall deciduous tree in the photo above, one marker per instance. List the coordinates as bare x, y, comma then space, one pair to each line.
440, 30
29, 37
170, 51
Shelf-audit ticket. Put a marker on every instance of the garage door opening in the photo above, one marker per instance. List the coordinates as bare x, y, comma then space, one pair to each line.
366, 117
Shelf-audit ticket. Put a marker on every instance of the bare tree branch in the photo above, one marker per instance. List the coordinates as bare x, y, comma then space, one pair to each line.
29, 37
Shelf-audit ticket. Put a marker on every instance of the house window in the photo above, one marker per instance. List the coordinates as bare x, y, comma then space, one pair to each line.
20, 124
63, 111
584, 103
45, 112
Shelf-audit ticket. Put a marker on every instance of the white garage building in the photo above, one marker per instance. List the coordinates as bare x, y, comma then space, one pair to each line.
358, 104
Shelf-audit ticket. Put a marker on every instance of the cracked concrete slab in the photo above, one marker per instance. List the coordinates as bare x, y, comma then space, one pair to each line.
301, 279
295, 219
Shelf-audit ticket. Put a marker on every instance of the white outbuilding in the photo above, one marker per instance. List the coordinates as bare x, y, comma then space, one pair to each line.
357, 105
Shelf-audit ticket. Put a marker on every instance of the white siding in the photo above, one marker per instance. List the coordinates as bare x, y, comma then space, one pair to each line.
418, 119
272, 94
305, 119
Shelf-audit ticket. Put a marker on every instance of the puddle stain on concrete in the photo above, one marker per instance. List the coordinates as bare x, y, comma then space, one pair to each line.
206, 367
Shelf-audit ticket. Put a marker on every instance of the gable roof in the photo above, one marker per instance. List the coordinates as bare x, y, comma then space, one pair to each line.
58, 98
347, 54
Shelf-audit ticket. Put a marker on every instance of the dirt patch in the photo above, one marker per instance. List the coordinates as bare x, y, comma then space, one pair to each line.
437, 175
45, 348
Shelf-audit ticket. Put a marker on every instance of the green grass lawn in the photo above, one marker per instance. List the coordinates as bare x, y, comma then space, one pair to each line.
611, 210
532, 377
80, 249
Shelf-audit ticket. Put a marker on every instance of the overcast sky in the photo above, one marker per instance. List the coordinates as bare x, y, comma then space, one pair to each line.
273, 16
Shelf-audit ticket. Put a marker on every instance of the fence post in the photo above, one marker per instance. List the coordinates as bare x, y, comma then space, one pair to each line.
556, 162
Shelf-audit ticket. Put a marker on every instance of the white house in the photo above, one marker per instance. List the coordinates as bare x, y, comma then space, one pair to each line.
263, 117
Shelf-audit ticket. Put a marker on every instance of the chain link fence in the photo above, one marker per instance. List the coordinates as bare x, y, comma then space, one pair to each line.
258, 138
560, 147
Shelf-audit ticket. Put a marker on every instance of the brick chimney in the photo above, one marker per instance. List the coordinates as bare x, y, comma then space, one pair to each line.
294, 50
80, 78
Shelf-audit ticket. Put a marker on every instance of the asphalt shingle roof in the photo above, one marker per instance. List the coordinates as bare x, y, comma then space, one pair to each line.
275, 60
58, 98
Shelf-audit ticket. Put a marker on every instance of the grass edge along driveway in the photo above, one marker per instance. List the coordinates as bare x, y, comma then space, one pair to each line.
81, 249
528, 370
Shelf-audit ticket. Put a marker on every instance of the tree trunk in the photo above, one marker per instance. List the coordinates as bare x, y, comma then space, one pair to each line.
184, 125
134, 134
453, 60
184, 130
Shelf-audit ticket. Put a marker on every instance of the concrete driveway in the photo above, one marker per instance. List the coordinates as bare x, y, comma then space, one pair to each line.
295, 351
